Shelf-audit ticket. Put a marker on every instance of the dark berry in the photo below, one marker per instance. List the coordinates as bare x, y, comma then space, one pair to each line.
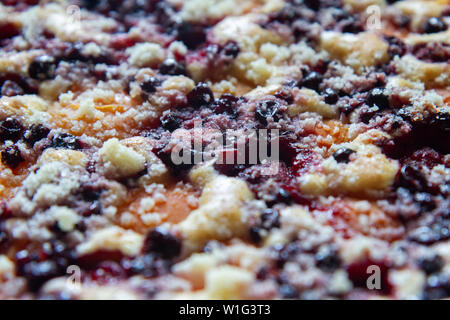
10, 129
171, 122
255, 235
412, 178
330, 96
192, 35
284, 196
65, 141
147, 265
434, 25
8, 30
42, 68
352, 25
92, 208
342, 155
11, 157
160, 242
3, 238
270, 219
35, 133
226, 104
231, 48
90, 193
312, 81
312, 4
288, 291
286, 253
164, 14
432, 52
431, 264
437, 287
327, 258
286, 15
425, 201
200, 96
366, 113
402, 21
288, 148
37, 273
176, 168
172, 68
267, 109
150, 84
378, 98
396, 46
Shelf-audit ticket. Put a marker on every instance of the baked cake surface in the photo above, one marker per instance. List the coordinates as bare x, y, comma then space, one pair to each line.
96, 98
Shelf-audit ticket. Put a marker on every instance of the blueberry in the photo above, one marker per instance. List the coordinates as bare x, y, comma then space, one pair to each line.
65, 141
162, 243
312, 81
200, 96
255, 236
431, 264
37, 273
231, 48
342, 155
352, 25
150, 84
3, 238
270, 218
396, 46
8, 30
90, 193
312, 4
327, 258
412, 177
170, 121
147, 265
35, 133
226, 104
378, 98
11, 157
330, 96
192, 35
172, 68
42, 68
434, 25
288, 291
267, 109
10, 129
437, 287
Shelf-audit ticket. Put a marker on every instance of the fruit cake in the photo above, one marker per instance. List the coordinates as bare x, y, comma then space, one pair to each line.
97, 96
